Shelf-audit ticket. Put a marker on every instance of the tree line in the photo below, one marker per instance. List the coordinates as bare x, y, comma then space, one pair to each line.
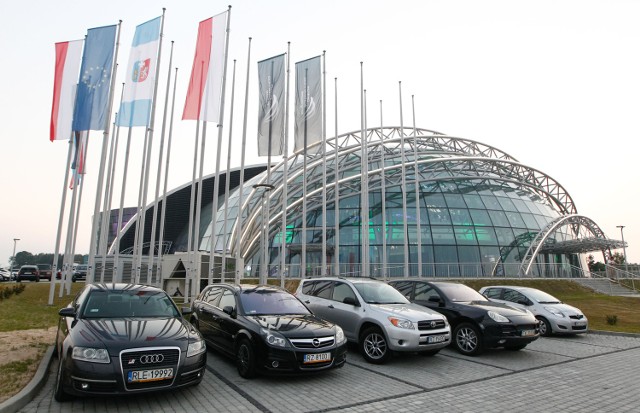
27, 258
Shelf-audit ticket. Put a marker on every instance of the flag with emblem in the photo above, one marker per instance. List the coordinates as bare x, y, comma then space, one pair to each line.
271, 122
135, 108
308, 113
92, 97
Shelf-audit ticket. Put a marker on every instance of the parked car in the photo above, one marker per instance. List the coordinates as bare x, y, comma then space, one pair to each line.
267, 329
45, 271
79, 272
125, 339
5, 275
477, 322
375, 316
28, 272
555, 316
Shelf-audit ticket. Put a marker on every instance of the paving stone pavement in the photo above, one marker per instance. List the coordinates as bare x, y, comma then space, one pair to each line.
586, 373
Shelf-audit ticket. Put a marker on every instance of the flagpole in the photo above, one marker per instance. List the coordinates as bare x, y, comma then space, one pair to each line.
54, 267
137, 242
67, 246
226, 181
116, 259
404, 190
285, 178
166, 171
239, 263
383, 183
216, 182
105, 138
365, 228
336, 196
303, 239
324, 165
364, 195
264, 264
196, 267
417, 187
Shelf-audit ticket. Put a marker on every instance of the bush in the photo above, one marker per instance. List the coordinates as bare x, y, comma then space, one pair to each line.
612, 320
6, 292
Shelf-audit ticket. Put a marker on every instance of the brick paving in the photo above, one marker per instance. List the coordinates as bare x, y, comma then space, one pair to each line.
588, 373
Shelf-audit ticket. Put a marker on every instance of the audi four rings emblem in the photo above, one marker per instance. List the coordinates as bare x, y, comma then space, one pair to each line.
151, 358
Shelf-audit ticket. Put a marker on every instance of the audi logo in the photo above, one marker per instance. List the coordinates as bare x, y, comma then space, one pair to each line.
315, 342
151, 358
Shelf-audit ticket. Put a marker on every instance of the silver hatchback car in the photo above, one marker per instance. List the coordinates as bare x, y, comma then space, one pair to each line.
375, 316
555, 316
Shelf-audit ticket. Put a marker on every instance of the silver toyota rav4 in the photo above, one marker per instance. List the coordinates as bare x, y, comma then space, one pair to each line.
376, 316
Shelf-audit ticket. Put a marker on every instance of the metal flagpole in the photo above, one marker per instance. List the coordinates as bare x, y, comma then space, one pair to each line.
364, 190
196, 267
239, 263
417, 187
166, 173
324, 165
74, 235
54, 267
154, 220
105, 138
227, 180
285, 178
111, 190
404, 191
116, 259
264, 264
383, 178
365, 222
216, 182
140, 213
303, 239
336, 246
68, 242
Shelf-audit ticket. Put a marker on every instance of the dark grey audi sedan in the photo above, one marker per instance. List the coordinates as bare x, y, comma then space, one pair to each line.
123, 339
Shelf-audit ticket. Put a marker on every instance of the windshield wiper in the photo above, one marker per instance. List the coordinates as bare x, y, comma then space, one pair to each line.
549, 302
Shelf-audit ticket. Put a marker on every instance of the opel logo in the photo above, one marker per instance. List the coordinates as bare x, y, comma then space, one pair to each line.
433, 324
151, 358
315, 342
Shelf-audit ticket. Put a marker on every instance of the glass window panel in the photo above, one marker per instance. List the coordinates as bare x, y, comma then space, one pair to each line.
505, 236
448, 187
395, 216
350, 217
474, 201
460, 216
455, 201
530, 221
446, 259
506, 203
442, 235
465, 235
425, 231
396, 234
515, 219
486, 236
520, 205
435, 200
480, 217
350, 202
439, 216
491, 202
499, 219
543, 221
350, 236
468, 254
533, 207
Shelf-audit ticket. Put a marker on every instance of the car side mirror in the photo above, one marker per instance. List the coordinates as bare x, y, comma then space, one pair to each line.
228, 310
186, 310
351, 301
524, 302
67, 312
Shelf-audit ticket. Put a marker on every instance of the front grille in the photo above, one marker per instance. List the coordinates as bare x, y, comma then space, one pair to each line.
577, 317
430, 324
149, 359
313, 343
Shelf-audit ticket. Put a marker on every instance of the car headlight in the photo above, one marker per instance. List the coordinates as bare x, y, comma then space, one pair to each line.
498, 318
274, 339
195, 348
401, 323
92, 355
555, 312
340, 338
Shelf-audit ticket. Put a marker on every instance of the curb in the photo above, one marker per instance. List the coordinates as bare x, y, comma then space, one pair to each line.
27, 394
613, 333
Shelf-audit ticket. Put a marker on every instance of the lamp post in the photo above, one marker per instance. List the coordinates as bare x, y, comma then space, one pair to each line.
13, 257
264, 237
624, 248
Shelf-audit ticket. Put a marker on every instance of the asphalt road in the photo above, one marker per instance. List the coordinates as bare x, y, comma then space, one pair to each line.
587, 373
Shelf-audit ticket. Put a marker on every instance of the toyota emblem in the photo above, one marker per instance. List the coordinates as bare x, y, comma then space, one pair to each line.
315, 342
151, 358
433, 324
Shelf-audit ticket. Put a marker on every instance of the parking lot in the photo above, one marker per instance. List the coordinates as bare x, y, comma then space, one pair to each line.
592, 372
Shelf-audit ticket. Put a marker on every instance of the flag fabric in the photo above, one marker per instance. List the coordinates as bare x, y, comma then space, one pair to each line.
92, 97
308, 109
135, 109
271, 122
79, 158
68, 55
205, 87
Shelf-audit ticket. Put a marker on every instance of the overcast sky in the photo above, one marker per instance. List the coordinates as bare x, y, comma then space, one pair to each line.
553, 83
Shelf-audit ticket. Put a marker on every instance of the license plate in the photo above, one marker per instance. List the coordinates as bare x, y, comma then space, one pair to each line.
140, 376
528, 333
316, 358
436, 339
580, 323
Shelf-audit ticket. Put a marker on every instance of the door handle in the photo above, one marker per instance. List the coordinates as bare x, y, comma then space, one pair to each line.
331, 306
307, 302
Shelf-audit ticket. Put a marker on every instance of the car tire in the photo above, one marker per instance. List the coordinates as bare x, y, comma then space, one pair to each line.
374, 346
59, 394
73, 278
515, 348
245, 359
429, 353
545, 327
468, 340
37, 279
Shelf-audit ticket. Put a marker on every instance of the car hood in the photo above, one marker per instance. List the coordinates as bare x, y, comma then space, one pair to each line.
565, 308
123, 333
500, 308
294, 325
411, 312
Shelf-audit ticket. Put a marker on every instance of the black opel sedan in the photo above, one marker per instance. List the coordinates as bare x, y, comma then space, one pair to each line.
266, 329
123, 339
476, 322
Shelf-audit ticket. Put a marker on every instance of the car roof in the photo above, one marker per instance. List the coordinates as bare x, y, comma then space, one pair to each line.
249, 287
350, 279
123, 287
513, 287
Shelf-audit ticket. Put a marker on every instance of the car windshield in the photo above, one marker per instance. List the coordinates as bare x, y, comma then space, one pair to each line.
271, 302
461, 293
379, 293
541, 296
133, 303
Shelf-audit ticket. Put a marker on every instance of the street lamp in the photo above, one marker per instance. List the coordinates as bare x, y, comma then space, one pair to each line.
264, 238
13, 257
624, 248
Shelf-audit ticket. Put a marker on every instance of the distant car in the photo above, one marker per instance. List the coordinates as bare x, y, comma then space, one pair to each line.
555, 316
5, 275
45, 271
375, 316
125, 339
79, 272
28, 272
267, 329
477, 323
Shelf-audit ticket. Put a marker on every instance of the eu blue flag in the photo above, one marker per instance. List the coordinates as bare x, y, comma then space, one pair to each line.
92, 96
